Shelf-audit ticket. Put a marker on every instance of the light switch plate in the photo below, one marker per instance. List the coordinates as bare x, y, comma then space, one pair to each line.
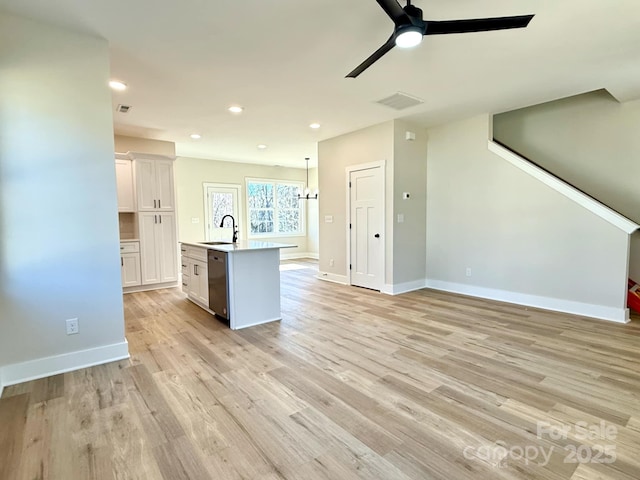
328, 219
401, 218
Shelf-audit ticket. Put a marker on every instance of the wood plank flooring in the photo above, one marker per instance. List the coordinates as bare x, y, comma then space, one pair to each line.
351, 384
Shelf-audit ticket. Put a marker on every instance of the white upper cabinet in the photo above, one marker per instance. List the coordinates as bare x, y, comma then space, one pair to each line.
154, 185
124, 179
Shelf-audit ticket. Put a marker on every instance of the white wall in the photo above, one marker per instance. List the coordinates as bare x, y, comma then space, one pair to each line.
313, 240
589, 140
124, 144
372, 144
409, 175
523, 241
191, 173
58, 208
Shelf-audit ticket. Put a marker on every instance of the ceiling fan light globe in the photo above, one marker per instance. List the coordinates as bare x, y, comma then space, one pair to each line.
409, 37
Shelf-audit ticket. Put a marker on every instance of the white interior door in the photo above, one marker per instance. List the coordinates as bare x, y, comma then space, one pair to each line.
221, 200
366, 237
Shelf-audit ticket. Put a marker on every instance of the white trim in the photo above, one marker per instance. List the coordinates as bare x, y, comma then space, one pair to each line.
382, 165
602, 312
239, 207
293, 256
565, 189
274, 234
148, 156
333, 278
66, 362
398, 288
153, 286
256, 323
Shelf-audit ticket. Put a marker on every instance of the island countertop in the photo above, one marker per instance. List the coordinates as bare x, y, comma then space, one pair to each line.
241, 246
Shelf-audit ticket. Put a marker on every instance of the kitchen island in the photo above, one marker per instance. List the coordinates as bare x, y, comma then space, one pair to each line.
241, 280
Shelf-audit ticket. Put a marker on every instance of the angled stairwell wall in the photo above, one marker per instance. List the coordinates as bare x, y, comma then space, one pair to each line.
496, 231
590, 140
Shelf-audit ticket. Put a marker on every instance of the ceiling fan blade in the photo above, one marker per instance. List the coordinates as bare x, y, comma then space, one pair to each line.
373, 58
476, 25
393, 9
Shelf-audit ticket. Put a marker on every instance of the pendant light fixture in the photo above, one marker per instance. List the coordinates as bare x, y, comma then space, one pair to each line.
307, 195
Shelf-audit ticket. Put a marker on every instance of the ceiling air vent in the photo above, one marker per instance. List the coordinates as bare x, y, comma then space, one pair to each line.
400, 101
123, 108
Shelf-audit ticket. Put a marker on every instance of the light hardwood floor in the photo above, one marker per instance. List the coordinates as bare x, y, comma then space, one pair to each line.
351, 384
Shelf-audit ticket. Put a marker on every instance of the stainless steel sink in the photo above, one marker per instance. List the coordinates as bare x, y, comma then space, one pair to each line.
215, 243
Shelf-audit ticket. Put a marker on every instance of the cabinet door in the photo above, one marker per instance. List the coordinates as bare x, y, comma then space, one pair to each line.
203, 279
124, 180
194, 283
167, 246
146, 184
130, 269
149, 254
164, 185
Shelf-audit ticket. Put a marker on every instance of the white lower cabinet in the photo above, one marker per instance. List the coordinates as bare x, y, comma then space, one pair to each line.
130, 264
195, 274
158, 247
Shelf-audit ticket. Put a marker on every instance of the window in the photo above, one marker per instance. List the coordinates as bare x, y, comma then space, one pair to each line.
274, 209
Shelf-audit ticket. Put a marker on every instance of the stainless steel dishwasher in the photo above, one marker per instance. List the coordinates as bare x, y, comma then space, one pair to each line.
218, 285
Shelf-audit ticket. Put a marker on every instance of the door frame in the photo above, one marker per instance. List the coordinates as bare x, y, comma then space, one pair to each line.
238, 188
382, 164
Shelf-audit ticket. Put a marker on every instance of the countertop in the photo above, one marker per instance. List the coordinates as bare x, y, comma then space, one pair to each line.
242, 245
125, 240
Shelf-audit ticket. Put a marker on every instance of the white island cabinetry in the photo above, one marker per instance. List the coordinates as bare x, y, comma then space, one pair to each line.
195, 274
253, 280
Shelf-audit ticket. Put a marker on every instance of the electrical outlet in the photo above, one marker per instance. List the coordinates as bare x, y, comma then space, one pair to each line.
72, 326
401, 218
331, 262
468, 271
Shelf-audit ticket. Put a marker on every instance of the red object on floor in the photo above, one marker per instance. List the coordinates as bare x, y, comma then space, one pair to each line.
633, 296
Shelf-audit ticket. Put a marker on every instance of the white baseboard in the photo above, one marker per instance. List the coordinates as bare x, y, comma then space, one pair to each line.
332, 277
256, 323
612, 314
67, 362
147, 288
294, 256
398, 288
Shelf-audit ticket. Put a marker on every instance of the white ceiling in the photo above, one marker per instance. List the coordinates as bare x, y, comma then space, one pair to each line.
285, 60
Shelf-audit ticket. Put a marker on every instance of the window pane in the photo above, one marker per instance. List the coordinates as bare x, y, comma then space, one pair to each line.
221, 205
260, 195
261, 221
289, 221
287, 196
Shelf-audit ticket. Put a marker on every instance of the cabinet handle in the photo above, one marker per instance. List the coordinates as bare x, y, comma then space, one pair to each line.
154, 204
160, 218
183, 266
121, 262
195, 269
159, 206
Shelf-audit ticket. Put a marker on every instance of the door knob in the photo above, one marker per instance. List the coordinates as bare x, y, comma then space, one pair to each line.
377, 235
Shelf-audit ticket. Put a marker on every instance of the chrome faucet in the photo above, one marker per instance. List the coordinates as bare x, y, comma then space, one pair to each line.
233, 226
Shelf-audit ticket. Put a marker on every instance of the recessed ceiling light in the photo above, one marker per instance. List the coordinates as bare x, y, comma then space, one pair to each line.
236, 109
195, 136
116, 85
315, 125
262, 146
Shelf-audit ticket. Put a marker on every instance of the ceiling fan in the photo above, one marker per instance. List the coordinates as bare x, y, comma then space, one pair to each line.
410, 28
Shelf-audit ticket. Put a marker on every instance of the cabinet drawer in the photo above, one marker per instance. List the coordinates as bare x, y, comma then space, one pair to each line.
185, 266
129, 247
185, 283
197, 253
